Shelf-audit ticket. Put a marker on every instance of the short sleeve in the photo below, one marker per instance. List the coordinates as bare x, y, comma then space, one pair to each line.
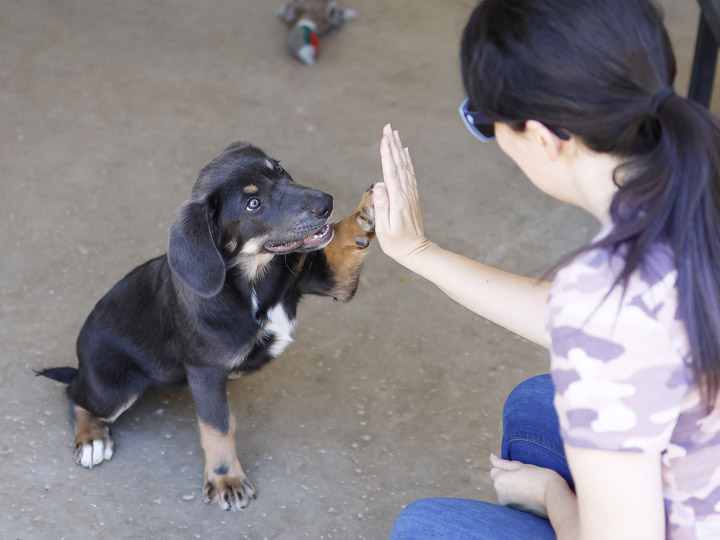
616, 357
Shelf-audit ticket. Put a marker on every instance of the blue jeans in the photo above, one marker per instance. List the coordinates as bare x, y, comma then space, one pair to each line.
531, 434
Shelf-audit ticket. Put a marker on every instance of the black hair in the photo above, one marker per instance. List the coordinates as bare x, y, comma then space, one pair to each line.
595, 68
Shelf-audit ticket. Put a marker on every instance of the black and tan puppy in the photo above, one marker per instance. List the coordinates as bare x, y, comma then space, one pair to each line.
245, 248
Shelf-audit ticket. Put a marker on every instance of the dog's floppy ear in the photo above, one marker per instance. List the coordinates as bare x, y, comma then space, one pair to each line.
192, 253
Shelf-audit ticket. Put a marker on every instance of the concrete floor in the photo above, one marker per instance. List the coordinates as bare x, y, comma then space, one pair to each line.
108, 111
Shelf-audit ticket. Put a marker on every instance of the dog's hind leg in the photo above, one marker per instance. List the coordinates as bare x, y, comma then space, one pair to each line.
94, 405
93, 443
224, 478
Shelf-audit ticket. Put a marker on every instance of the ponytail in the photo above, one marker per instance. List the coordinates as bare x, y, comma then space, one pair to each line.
672, 193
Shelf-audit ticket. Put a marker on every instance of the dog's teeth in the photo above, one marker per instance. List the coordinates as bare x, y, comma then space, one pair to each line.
321, 232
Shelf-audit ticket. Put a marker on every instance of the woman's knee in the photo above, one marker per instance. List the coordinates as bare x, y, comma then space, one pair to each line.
531, 431
528, 399
532, 389
416, 520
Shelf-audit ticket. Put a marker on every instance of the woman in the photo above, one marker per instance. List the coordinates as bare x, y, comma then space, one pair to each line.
579, 94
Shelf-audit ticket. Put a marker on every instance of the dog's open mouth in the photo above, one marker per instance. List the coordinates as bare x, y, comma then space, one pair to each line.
319, 239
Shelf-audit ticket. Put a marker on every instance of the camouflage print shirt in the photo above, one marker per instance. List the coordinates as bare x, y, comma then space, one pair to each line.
621, 368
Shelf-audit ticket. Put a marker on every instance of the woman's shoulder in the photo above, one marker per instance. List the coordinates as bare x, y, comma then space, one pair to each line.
591, 279
590, 310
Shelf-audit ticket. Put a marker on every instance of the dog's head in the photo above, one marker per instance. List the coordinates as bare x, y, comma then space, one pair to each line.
244, 206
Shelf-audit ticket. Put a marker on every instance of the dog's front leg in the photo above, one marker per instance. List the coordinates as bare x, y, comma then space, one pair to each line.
347, 250
224, 480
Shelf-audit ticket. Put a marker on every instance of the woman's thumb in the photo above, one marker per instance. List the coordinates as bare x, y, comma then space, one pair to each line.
504, 464
381, 204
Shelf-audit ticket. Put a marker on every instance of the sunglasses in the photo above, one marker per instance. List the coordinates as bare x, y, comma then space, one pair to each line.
483, 128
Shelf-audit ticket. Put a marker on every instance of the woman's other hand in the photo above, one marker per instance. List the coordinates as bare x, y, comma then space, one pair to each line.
523, 487
398, 222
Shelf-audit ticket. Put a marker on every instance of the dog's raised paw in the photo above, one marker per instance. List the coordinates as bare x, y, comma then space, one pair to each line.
365, 220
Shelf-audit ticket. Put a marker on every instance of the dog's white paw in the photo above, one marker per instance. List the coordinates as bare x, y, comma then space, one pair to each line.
89, 455
93, 444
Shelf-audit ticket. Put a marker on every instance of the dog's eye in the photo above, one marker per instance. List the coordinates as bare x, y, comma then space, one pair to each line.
279, 169
253, 204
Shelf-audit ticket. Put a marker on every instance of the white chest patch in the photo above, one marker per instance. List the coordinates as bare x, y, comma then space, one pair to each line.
281, 327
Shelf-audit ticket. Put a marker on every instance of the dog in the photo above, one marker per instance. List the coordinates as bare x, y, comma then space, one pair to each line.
246, 246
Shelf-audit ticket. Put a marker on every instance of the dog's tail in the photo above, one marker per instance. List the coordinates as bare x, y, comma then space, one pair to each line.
61, 374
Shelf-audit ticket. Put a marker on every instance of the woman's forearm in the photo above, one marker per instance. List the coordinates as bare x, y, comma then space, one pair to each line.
513, 301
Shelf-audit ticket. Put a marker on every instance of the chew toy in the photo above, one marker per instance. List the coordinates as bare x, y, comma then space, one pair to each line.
307, 20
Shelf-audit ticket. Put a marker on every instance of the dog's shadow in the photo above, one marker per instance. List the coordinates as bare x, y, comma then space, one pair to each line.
162, 426
162, 422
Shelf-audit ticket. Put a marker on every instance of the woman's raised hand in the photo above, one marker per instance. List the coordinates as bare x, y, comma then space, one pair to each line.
398, 222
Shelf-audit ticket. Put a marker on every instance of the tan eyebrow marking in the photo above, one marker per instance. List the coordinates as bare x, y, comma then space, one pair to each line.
269, 164
251, 189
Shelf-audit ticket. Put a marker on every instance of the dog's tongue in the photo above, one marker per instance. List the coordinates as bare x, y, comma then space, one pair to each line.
315, 240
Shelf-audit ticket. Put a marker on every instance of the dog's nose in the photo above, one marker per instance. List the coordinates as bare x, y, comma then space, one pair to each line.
323, 206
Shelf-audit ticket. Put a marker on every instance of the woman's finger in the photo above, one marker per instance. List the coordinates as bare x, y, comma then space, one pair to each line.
505, 464
381, 206
392, 144
395, 149
389, 166
398, 157
410, 164
383, 194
